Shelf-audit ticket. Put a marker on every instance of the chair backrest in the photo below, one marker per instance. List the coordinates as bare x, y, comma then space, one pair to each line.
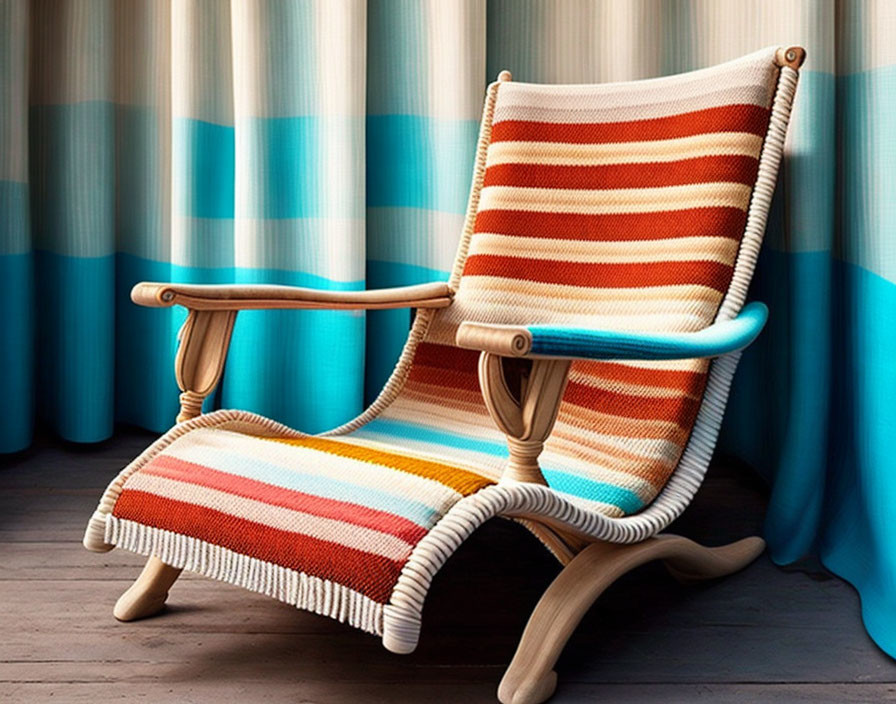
615, 206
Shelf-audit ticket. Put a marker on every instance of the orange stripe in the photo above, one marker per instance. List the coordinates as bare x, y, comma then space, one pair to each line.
707, 169
599, 275
617, 227
727, 118
681, 410
591, 421
460, 480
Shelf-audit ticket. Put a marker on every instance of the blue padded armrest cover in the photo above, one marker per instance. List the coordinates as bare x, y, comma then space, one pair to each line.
713, 341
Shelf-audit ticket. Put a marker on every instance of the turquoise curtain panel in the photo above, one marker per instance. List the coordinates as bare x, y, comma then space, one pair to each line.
329, 143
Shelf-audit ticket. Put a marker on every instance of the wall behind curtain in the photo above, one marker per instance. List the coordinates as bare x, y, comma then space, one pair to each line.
329, 143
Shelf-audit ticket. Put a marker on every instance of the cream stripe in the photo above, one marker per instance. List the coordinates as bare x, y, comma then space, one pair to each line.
562, 154
331, 530
621, 387
627, 472
747, 74
681, 365
676, 249
473, 425
621, 200
573, 439
628, 456
623, 426
220, 449
479, 287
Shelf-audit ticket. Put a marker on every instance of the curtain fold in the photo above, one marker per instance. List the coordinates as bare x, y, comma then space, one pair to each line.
329, 143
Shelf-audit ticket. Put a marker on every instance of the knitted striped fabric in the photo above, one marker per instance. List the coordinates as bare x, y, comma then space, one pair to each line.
617, 207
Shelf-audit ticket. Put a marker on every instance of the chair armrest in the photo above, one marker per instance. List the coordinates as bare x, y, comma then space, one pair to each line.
558, 342
255, 297
205, 335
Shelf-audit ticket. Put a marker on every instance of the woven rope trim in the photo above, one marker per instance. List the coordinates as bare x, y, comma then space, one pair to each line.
320, 596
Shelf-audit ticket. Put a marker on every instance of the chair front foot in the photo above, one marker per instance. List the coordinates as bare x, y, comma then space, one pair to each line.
147, 595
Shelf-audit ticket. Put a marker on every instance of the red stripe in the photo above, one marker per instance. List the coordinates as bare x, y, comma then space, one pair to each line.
355, 514
371, 575
468, 380
619, 227
601, 275
431, 354
707, 169
727, 118
680, 410
680, 380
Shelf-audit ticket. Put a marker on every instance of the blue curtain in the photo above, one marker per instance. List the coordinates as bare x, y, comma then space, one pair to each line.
329, 143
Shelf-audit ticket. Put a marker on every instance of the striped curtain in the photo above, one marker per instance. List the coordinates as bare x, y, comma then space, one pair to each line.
329, 143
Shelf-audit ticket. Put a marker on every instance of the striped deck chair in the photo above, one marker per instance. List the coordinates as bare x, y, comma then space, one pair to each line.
572, 375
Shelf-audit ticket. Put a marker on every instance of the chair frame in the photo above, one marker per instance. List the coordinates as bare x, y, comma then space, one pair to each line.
595, 550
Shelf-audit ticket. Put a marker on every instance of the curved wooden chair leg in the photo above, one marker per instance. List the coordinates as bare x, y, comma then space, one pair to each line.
147, 595
530, 678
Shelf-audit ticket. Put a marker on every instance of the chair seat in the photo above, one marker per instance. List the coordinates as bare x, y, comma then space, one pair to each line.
322, 523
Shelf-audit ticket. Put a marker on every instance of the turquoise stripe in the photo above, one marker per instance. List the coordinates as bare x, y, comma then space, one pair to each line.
140, 199
858, 536
204, 167
422, 433
146, 393
16, 352
250, 467
575, 485
76, 344
382, 274
15, 236
284, 164
72, 151
792, 361
419, 162
303, 368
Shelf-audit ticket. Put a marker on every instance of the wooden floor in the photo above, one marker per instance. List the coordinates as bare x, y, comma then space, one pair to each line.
766, 634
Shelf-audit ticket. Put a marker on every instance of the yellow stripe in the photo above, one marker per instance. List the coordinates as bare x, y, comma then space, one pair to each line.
462, 481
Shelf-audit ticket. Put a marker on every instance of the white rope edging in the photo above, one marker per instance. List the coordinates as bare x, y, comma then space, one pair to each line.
319, 596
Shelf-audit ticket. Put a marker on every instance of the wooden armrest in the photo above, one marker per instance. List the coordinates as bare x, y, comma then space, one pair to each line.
255, 297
